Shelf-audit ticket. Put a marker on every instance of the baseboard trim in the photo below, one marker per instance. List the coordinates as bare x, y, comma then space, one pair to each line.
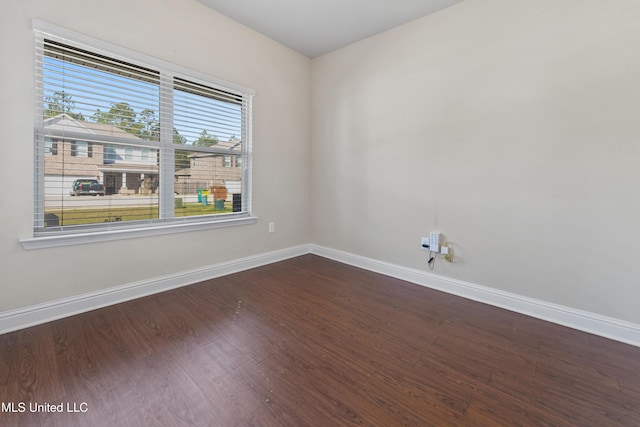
608, 327
40, 313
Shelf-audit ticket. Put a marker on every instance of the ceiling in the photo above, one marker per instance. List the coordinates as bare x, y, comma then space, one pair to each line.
317, 27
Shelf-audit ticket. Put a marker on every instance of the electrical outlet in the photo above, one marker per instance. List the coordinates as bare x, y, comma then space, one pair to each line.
424, 243
272, 227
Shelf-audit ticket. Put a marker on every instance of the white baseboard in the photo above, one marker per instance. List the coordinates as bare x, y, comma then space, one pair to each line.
608, 327
40, 313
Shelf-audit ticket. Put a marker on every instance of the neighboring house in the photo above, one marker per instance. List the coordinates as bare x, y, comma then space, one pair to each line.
130, 169
208, 171
122, 169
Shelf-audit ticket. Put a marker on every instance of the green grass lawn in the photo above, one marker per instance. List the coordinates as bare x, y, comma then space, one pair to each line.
134, 213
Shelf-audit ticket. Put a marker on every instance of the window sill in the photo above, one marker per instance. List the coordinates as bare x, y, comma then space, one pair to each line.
43, 242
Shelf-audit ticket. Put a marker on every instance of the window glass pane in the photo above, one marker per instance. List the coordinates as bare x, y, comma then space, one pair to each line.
98, 189
89, 181
203, 185
109, 154
204, 116
89, 87
207, 118
80, 149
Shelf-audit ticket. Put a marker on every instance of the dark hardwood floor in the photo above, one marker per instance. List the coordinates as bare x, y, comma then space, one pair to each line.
312, 342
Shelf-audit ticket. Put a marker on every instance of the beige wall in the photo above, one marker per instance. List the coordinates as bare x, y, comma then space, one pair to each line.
513, 127
190, 35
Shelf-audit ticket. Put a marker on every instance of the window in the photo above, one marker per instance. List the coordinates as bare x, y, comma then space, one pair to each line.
136, 126
109, 154
50, 147
81, 149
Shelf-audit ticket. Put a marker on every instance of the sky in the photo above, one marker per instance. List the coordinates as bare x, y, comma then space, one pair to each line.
91, 89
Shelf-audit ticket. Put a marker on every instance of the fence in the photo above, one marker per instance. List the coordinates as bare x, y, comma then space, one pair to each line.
191, 187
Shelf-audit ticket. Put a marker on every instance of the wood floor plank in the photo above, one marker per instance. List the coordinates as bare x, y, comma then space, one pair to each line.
490, 407
586, 383
35, 373
498, 348
8, 359
558, 398
313, 342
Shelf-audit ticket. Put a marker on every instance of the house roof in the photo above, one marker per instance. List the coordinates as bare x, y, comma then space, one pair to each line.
235, 144
108, 130
64, 122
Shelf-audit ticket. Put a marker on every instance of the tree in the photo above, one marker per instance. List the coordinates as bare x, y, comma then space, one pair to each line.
206, 140
182, 160
121, 115
177, 138
59, 103
149, 125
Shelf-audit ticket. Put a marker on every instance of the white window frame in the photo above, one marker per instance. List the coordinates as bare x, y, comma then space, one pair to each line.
43, 238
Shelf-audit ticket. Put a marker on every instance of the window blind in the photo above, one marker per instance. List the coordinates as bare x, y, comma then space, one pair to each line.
127, 142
